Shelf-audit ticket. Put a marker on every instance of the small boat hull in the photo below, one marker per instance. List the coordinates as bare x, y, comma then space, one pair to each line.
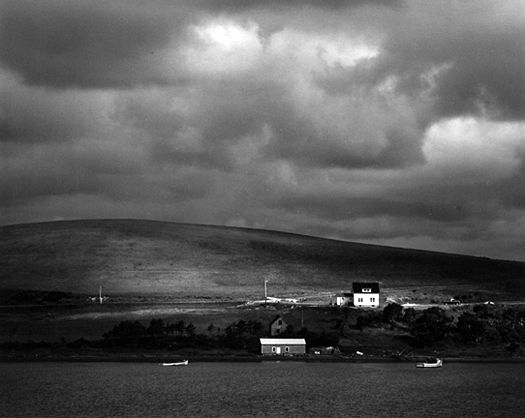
427, 365
178, 363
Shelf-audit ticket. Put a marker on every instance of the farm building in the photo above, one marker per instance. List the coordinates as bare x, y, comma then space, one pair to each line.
342, 299
278, 326
366, 295
281, 346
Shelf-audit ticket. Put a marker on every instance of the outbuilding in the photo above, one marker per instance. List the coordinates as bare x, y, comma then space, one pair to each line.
281, 346
342, 299
278, 326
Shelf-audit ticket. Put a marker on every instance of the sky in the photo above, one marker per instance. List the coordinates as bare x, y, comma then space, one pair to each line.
398, 122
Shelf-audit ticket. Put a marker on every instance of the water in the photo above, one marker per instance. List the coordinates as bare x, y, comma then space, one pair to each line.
261, 389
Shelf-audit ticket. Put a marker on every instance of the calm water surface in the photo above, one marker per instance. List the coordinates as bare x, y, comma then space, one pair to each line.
261, 389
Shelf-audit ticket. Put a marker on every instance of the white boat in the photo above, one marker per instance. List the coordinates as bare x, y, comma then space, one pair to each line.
430, 364
178, 363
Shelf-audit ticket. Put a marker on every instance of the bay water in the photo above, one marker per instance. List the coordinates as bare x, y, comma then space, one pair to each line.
273, 389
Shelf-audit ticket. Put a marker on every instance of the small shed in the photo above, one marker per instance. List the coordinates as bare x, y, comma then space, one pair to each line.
342, 299
281, 346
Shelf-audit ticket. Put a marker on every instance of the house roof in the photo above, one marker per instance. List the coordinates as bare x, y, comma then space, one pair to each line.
276, 318
288, 341
358, 287
290, 320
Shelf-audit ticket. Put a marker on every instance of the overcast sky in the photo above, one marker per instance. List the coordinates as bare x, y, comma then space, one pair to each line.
391, 122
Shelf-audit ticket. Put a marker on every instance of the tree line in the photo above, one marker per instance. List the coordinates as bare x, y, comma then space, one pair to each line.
240, 335
485, 324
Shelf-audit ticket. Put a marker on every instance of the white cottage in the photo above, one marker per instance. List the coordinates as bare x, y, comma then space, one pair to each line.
281, 346
366, 295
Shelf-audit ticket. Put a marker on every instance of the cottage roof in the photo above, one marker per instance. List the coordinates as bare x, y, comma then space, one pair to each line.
359, 286
287, 341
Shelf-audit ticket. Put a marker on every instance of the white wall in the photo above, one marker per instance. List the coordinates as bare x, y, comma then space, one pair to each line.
368, 300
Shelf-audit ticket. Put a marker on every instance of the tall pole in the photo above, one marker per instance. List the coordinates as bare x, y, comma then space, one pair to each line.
100, 294
265, 291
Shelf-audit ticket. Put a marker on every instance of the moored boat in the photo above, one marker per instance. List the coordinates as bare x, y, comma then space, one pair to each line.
178, 363
430, 364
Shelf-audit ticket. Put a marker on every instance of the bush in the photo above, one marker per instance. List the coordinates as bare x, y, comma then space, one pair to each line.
392, 312
369, 319
470, 328
409, 315
484, 311
431, 327
156, 327
126, 331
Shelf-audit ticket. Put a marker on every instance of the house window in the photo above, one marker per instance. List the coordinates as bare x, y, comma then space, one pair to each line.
273, 349
286, 349
367, 290
372, 299
279, 322
359, 299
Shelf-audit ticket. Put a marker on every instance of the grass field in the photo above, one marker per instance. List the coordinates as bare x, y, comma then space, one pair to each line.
131, 257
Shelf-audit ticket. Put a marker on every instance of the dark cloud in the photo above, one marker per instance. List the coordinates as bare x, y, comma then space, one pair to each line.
198, 132
40, 115
377, 147
462, 61
100, 172
476, 58
486, 76
340, 207
236, 5
79, 44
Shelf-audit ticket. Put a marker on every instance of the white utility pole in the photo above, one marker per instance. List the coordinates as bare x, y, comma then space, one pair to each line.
265, 291
100, 294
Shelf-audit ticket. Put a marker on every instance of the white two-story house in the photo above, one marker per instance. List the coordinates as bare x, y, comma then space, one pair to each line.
366, 295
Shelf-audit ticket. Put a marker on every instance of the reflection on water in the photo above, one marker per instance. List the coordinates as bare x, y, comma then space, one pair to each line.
261, 389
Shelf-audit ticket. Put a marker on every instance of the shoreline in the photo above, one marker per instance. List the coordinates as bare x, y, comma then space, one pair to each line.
137, 358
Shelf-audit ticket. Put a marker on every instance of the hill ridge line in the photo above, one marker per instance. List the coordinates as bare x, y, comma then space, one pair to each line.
256, 230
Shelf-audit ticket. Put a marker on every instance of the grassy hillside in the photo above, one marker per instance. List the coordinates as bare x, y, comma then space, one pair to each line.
160, 258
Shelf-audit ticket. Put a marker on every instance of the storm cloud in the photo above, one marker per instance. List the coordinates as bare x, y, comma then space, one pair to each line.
391, 122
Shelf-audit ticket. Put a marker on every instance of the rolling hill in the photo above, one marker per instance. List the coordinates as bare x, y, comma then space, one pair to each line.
161, 258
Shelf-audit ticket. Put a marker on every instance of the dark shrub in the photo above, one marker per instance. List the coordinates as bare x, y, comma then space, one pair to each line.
392, 312
431, 327
470, 328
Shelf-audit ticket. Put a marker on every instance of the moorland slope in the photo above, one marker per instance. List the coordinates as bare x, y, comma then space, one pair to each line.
158, 258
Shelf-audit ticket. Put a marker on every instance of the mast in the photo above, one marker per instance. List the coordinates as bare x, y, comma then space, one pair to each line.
100, 294
265, 291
